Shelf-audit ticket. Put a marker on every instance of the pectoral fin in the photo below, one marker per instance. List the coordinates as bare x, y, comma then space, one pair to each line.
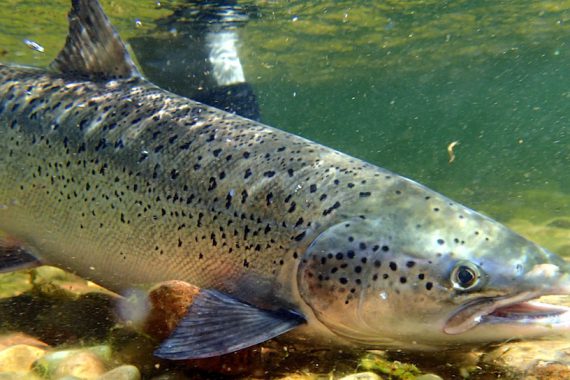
217, 324
13, 257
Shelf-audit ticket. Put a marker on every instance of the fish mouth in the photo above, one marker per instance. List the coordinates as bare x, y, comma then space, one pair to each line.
520, 309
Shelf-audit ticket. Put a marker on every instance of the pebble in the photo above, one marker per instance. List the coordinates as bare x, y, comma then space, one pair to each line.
532, 359
87, 363
169, 303
20, 338
362, 376
124, 372
17, 376
19, 358
84, 365
429, 376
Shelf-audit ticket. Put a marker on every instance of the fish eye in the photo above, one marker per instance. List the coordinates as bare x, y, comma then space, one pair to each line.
465, 276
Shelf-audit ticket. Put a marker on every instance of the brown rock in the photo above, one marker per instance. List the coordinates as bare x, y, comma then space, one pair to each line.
83, 364
20, 338
19, 358
169, 302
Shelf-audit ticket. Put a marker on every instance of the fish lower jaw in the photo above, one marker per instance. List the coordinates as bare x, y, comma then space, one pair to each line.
519, 311
530, 312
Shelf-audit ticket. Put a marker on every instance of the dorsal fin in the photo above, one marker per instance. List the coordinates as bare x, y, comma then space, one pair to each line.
93, 47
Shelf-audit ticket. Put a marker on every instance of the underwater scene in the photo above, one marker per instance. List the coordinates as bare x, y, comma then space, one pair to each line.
467, 98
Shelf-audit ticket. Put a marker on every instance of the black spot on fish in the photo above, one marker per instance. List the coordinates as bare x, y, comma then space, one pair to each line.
101, 145
403, 280
343, 280
172, 139
393, 266
143, 156
212, 185
247, 173
313, 188
358, 269
229, 198
410, 264
421, 276
429, 285
339, 256
300, 237
350, 254
440, 241
292, 207
269, 174
330, 209
82, 123
364, 194
385, 248
377, 263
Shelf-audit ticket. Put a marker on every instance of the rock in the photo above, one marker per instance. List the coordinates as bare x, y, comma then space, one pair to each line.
376, 362
20, 338
15, 283
429, 376
549, 371
19, 357
362, 376
17, 376
124, 372
81, 363
528, 359
169, 302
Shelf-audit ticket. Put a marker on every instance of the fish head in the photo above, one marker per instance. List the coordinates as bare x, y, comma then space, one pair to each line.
410, 278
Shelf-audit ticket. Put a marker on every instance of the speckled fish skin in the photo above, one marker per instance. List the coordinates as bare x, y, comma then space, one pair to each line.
124, 183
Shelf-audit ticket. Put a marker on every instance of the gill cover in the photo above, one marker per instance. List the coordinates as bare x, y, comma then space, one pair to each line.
338, 270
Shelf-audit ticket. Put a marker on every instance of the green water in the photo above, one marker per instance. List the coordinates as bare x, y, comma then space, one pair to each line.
394, 83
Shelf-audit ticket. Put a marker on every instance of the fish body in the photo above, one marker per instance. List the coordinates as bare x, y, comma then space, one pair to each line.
106, 175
